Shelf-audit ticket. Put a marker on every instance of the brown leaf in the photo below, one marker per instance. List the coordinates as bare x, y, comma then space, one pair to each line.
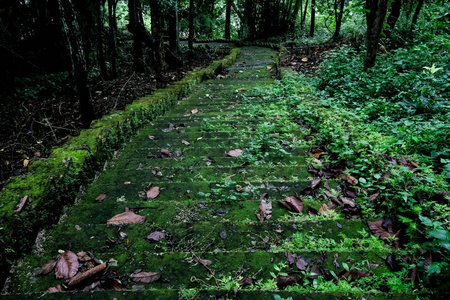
166, 153
290, 257
316, 152
325, 210
100, 197
301, 264
355, 274
374, 197
293, 203
246, 281
83, 256
56, 289
23, 202
66, 265
284, 281
156, 236
151, 137
372, 266
88, 274
194, 111
315, 182
350, 179
205, 262
47, 267
377, 229
153, 192
185, 142
145, 277
348, 201
326, 185
127, 217
234, 153
265, 211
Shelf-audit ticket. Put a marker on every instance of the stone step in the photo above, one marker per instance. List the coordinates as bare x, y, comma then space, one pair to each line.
183, 269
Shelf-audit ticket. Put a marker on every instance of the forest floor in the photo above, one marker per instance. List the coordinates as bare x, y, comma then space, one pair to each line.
221, 197
41, 114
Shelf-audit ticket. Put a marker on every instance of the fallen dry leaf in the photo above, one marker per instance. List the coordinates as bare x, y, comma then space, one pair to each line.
55, 289
145, 277
194, 111
305, 59
234, 153
166, 153
374, 197
156, 236
301, 264
315, 182
100, 197
185, 142
66, 265
88, 274
284, 281
26, 162
205, 262
47, 267
350, 179
316, 152
23, 202
378, 230
83, 256
293, 203
153, 192
290, 257
127, 217
265, 210
246, 281
355, 274
127, 182
151, 137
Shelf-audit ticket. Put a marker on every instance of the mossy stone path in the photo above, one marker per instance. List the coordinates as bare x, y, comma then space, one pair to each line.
206, 206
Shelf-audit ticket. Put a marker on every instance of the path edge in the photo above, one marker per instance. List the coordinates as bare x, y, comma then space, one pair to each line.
54, 182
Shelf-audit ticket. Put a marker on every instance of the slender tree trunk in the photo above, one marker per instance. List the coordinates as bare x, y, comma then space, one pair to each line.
191, 27
393, 16
174, 34
339, 15
416, 14
100, 53
77, 58
375, 16
250, 18
158, 46
302, 23
112, 23
313, 17
293, 19
228, 20
137, 41
211, 13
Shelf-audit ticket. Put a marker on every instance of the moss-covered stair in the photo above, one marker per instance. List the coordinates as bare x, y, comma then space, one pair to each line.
206, 207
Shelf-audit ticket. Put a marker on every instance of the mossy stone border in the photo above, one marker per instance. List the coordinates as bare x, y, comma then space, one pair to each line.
54, 182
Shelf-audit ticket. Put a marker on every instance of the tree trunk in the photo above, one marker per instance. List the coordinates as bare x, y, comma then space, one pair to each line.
74, 45
250, 18
395, 14
137, 41
158, 46
228, 20
297, 7
313, 17
174, 31
416, 14
375, 16
112, 23
100, 54
302, 23
191, 27
211, 13
339, 15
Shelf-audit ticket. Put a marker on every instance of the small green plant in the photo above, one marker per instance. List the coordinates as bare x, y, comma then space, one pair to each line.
188, 294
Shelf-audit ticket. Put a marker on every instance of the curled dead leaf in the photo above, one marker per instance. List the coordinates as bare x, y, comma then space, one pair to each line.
88, 274
100, 197
234, 153
23, 202
127, 217
194, 111
156, 236
205, 262
55, 289
293, 203
66, 265
166, 153
265, 211
47, 267
185, 142
153, 192
284, 281
350, 179
355, 274
145, 277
